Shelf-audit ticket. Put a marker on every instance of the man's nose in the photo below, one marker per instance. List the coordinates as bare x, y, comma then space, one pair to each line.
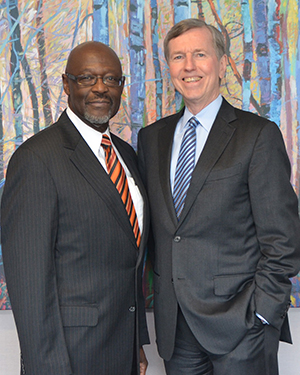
99, 86
189, 62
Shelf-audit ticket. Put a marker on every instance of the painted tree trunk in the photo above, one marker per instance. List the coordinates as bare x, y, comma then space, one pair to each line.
137, 67
100, 22
156, 61
42, 56
182, 10
16, 80
260, 26
248, 55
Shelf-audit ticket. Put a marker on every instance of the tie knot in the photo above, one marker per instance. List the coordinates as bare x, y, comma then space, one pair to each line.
194, 122
105, 141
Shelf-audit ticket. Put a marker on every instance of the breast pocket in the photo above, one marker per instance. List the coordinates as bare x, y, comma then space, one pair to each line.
222, 174
79, 316
228, 285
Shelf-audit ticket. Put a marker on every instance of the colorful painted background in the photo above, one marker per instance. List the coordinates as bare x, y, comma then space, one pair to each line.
36, 36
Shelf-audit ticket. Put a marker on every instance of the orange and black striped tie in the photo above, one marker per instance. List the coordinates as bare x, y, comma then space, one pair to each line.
118, 177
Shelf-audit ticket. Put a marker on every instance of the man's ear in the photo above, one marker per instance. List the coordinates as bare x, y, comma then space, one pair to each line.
223, 66
66, 84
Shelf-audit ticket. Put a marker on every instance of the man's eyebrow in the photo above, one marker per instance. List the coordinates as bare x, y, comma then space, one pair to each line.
176, 52
183, 53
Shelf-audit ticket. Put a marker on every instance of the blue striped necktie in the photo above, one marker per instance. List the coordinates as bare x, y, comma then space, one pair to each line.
185, 166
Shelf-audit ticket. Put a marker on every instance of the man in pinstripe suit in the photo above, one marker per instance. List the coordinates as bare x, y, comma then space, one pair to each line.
72, 263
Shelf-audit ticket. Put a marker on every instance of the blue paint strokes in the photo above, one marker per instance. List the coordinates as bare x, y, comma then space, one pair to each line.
137, 66
275, 61
296, 291
260, 19
218, 9
156, 58
12, 27
75, 33
248, 55
100, 23
182, 10
298, 90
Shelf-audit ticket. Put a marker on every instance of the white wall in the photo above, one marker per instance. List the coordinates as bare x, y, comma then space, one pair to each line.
9, 346
289, 355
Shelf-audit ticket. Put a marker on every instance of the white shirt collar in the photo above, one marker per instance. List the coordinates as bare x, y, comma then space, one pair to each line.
206, 117
92, 137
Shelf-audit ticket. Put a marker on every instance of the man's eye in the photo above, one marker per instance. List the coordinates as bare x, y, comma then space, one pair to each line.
177, 57
85, 78
111, 79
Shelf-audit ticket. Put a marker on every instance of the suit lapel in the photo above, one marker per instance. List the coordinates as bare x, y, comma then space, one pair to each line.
91, 169
131, 164
219, 137
165, 143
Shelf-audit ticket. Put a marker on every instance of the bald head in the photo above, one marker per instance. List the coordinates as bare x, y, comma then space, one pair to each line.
77, 55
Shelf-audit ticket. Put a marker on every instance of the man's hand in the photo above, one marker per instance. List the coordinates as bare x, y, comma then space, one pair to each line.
143, 362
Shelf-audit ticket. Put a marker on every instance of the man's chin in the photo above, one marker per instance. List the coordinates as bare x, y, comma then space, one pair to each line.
97, 120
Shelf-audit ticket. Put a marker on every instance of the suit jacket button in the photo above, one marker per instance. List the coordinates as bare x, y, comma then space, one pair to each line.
177, 239
132, 308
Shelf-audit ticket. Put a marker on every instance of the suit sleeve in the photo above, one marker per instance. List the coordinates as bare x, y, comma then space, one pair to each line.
142, 170
142, 322
29, 213
275, 212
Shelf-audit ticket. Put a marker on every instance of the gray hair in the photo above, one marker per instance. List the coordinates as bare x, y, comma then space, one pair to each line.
194, 23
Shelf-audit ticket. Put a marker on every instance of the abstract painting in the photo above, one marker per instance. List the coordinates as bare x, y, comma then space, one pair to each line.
262, 44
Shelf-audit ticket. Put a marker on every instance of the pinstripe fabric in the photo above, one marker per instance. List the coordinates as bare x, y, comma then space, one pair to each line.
185, 166
210, 261
67, 238
118, 177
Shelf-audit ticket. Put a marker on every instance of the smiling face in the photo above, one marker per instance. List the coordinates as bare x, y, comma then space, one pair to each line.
96, 104
195, 68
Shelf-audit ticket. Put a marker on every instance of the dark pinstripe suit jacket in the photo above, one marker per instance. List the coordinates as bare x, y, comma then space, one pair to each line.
72, 266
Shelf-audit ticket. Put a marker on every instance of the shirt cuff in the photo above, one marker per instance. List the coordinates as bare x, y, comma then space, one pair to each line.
263, 320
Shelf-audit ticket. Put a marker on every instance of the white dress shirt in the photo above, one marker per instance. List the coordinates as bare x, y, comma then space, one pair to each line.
94, 138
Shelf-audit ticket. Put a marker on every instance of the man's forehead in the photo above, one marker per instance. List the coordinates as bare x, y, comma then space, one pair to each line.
88, 58
187, 49
197, 38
